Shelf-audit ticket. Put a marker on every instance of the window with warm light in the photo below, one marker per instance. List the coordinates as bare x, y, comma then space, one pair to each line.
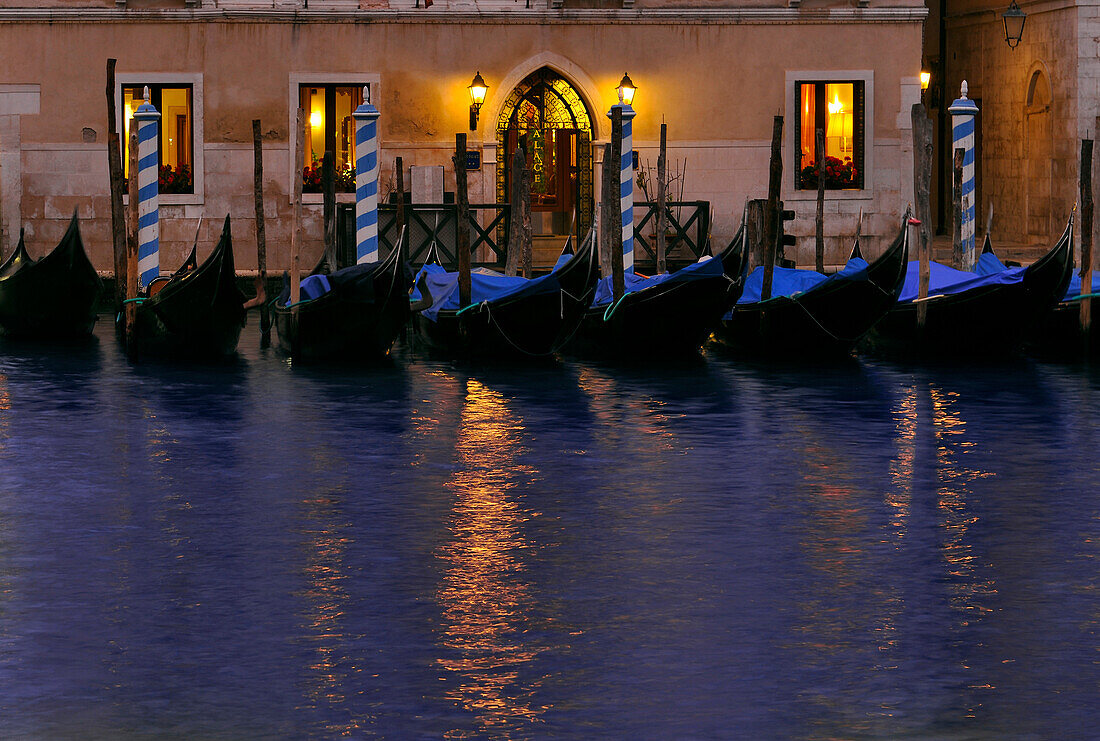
837, 108
329, 126
176, 133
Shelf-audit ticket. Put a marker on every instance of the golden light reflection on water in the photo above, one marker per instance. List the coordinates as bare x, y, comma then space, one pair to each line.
969, 588
5, 406
486, 603
325, 550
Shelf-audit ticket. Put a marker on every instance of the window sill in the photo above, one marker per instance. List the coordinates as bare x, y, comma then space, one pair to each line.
311, 199
832, 195
173, 199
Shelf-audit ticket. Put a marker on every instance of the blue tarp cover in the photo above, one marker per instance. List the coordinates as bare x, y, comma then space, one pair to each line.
989, 264
314, 286
709, 267
789, 281
1074, 289
944, 280
486, 285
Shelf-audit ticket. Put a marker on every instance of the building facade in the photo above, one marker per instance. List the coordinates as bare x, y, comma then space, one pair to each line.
715, 72
1037, 101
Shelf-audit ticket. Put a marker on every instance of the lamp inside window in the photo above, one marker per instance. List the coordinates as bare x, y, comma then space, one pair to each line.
837, 109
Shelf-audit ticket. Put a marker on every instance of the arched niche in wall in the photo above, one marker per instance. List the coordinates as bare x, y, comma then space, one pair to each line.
1038, 154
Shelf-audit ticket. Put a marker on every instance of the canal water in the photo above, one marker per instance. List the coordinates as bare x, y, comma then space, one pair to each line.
711, 549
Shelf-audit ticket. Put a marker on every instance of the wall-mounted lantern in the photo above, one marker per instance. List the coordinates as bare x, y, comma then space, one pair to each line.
477, 89
925, 78
626, 90
1014, 24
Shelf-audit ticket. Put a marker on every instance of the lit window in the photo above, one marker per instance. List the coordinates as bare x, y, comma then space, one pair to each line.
837, 108
329, 126
176, 133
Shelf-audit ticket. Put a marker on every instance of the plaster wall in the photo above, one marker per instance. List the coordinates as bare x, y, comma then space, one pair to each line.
717, 85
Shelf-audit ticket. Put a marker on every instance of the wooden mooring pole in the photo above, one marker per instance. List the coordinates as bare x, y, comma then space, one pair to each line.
771, 214
609, 210
662, 197
819, 221
615, 243
462, 227
922, 189
261, 236
114, 168
328, 198
399, 176
515, 218
130, 313
1086, 237
958, 248
296, 215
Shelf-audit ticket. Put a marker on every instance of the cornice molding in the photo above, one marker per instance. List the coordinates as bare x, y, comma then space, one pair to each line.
549, 17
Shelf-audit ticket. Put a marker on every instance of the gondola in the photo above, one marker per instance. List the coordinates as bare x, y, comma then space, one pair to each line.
813, 315
668, 315
53, 297
508, 316
196, 313
351, 314
975, 314
1057, 335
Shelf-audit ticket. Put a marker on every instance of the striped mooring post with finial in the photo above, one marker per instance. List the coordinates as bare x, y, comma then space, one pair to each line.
626, 184
366, 180
962, 113
148, 175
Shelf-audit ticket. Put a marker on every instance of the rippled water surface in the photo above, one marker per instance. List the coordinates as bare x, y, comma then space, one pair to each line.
707, 550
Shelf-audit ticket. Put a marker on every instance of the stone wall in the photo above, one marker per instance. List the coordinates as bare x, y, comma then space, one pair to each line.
1028, 168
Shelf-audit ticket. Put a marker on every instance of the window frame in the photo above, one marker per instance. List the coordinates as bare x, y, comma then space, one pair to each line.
858, 128
172, 79
791, 135
339, 79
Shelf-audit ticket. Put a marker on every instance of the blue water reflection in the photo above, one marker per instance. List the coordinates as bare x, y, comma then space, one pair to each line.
711, 550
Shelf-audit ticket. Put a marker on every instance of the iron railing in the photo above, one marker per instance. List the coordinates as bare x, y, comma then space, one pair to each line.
427, 223
688, 230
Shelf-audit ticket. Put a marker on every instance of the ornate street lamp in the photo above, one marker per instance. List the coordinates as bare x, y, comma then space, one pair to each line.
1014, 24
626, 90
477, 89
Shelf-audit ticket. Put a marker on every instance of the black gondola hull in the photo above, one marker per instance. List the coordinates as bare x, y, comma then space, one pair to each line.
517, 326
197, 315
665, 320
826, 321
52, 298
985, 321
345, 326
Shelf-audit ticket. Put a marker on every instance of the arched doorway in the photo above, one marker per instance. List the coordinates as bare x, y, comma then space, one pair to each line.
1039, 143
546, 117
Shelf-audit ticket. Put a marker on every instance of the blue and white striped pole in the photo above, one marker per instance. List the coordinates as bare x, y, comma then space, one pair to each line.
962, 113
366, 180
626, 183
148, 176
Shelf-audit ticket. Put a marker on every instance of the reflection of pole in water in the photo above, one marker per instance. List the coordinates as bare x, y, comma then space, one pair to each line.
485, 601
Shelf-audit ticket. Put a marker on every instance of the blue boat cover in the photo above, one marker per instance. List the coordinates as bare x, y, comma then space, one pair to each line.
989, 264
789, 281
944, 280
1074, 289
485, 285
708, 267
314, 286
